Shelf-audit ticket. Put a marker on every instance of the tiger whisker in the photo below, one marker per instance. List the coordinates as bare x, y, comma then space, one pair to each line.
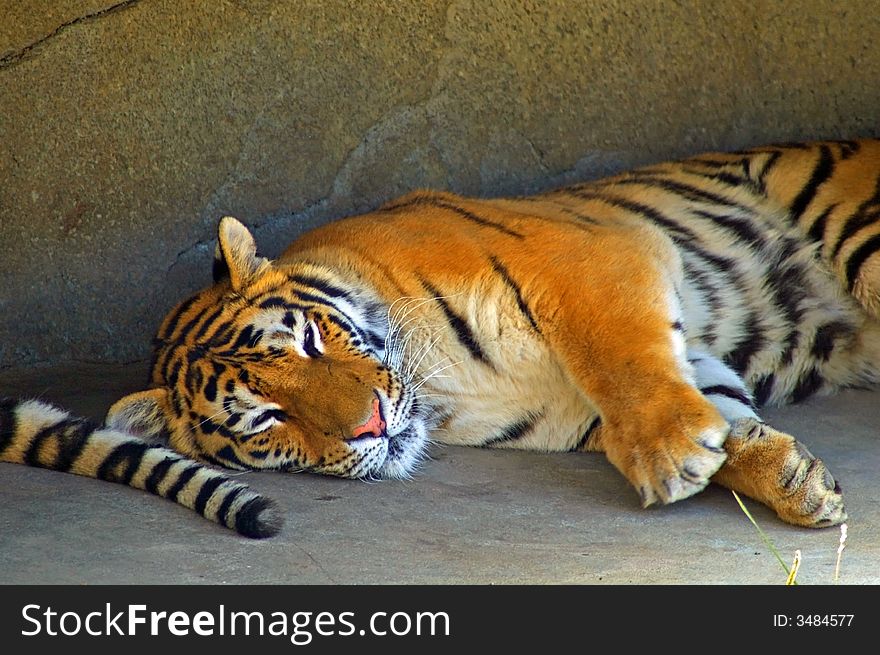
200, 424
393, 322
415, 363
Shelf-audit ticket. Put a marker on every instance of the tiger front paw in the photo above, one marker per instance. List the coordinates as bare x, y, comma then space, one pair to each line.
673, 461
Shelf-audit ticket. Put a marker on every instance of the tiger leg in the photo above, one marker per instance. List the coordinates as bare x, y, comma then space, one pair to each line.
762, 462
626, 354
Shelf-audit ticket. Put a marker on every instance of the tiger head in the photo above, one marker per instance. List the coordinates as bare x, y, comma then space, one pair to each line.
279, 367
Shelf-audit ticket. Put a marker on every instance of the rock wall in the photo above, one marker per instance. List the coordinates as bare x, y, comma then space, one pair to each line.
127, 129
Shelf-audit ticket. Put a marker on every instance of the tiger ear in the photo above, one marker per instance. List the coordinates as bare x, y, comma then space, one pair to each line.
143, 414
236, 255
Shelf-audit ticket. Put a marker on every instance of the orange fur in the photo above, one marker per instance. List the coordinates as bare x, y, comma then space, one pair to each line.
613, 316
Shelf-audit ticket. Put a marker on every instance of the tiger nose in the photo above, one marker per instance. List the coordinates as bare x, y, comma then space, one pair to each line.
375, 425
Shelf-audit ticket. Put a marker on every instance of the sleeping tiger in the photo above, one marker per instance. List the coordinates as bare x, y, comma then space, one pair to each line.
647, 316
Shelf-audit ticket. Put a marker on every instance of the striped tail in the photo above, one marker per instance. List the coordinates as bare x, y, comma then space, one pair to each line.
38, 434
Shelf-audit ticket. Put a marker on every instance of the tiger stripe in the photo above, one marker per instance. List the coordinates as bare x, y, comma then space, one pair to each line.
38, 434
515, 431
823, 170
466, 336
588, 434
499, 268
461, 212
857, 258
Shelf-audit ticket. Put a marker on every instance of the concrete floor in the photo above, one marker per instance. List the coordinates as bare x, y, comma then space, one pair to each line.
470, 516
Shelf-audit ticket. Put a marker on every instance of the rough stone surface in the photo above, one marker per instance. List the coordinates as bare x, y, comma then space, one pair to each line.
129, 128
470, 516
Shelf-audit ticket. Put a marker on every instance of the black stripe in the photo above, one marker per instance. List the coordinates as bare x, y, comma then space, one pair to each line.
32, 454
210, 389
752, 341
157, 475
864, 217
185, 476
344, 325
728, 392
761, 178
516, 431
267, 289
172, 377
730, 176
213, 461
653, 179
817, 229
709, 162
825, 337
517, 292
273, 302
464, 213
465, 336
209, 322
585, 437
316, 300
190, 325
205, 493
763, 389
582, 218
320, 285
245, 337
72, 443
227, 454
222, 335
7, 422
731, 179
70, 435
223, 510
809, 384
636, 208
742, 228
289, 320
848, 148
823, 170
207, 426
375, 340
174, 320
702, 281
193, 378
858, 257
176, 402
789, 283
129, 455
165, 354
682, 236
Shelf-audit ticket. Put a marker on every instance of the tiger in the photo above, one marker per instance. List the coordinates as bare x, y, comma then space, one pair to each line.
649, 315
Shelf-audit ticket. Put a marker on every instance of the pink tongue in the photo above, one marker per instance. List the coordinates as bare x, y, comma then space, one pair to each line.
375, 425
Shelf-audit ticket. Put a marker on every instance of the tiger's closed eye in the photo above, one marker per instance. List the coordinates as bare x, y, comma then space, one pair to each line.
312, 344
267, 419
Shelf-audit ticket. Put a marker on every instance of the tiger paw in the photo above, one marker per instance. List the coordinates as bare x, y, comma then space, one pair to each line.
776, 469
672, 460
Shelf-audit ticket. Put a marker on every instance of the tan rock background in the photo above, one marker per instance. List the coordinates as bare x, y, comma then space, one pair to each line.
127, 129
